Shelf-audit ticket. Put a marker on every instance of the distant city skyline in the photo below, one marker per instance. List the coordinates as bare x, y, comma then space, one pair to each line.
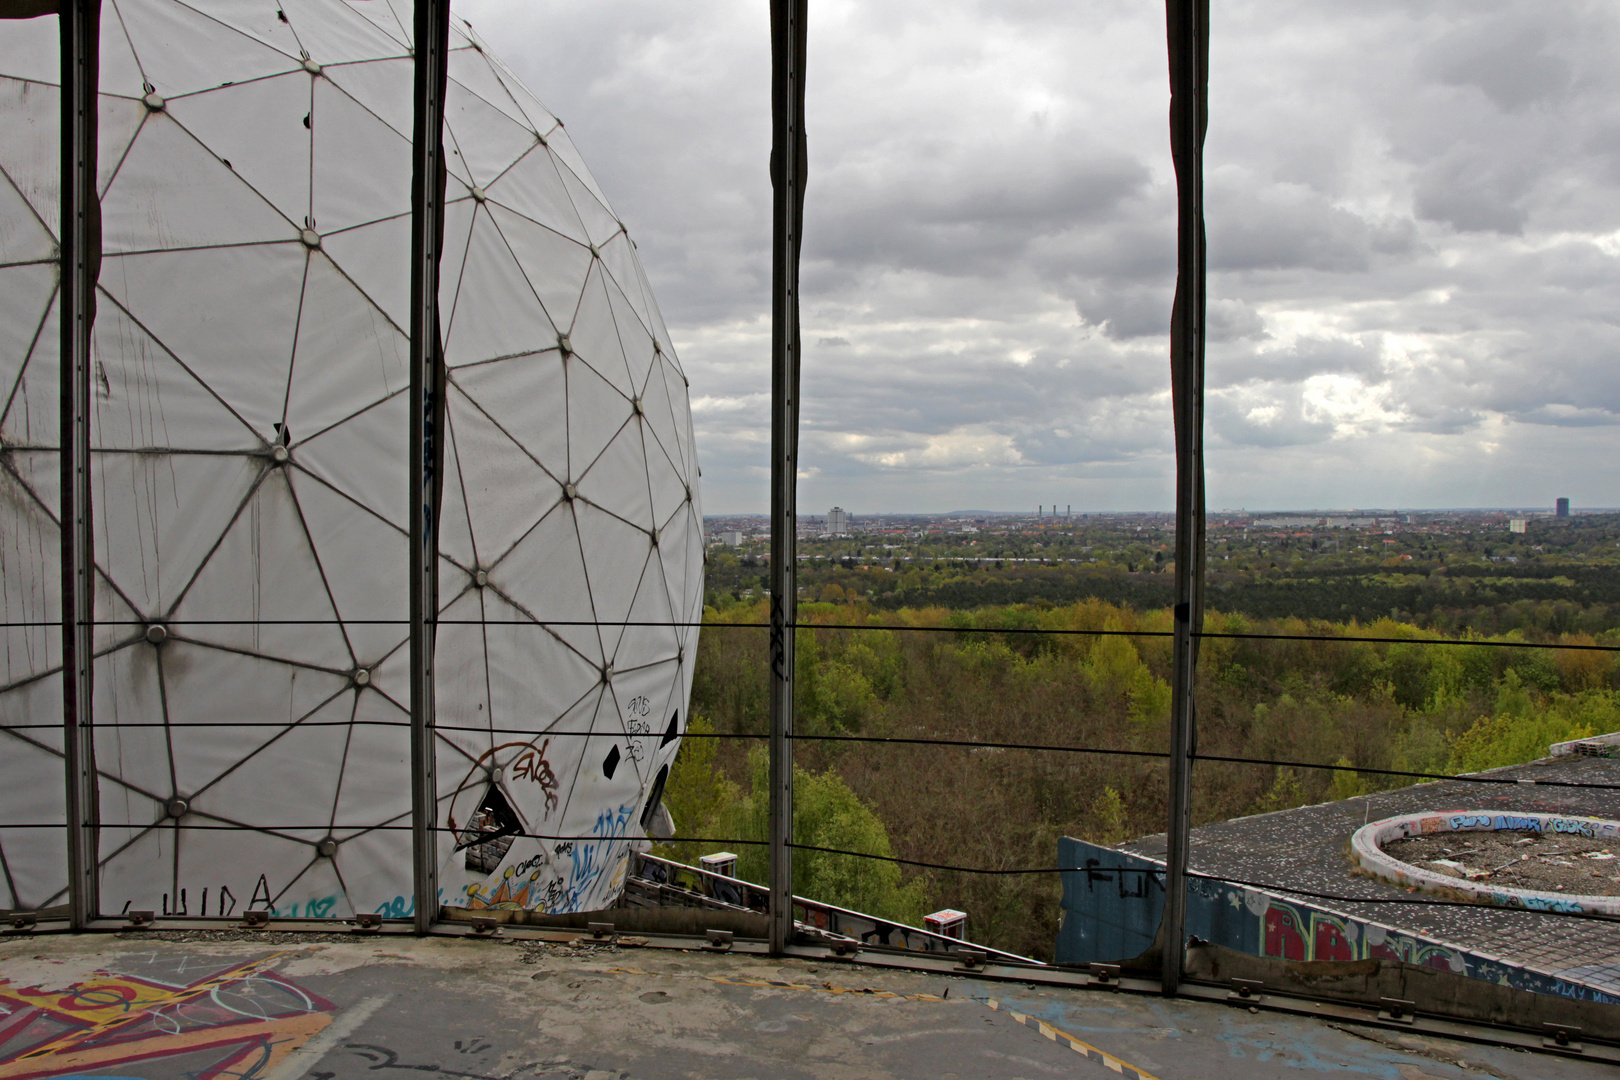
1414, 244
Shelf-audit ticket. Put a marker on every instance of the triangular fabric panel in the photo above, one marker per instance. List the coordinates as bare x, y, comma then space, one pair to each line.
145, 400
576, 172
23, 238
521, 394
34, 411
546, 576
556, 267
506, 491
341, 195
455, 528
262, 590
610, 553
241, 352
596, 340
487, 140
617, 480
360, 457
171, 192
600, 224
382, 87
182, 51
533, 188
335, 33
471, 70
275, 167
363, 559
157, 519
596, 413
26, 293
496, 312
376, 258
348, 357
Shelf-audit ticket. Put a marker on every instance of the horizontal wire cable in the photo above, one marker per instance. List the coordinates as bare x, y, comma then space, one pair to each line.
1465, 778
1055, 632
871, 739
971, 743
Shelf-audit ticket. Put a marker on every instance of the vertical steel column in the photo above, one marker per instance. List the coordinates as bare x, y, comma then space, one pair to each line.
787, 180
1187, 27
76, 307
432, 41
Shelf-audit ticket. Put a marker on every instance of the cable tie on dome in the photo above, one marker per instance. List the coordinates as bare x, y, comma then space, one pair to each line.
564, 344
654, 535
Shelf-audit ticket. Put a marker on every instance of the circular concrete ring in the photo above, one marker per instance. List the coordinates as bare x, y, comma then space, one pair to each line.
1366, 848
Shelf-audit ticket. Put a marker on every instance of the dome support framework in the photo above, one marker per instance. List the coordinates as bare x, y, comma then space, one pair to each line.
426, 452
81, 255
209, 636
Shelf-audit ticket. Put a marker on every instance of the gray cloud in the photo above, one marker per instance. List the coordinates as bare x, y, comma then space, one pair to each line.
1413, 221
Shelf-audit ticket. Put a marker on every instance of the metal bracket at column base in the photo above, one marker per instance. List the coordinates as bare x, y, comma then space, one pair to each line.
1396, 1010
1245, 991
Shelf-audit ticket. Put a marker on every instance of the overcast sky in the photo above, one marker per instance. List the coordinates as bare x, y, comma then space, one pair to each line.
1414, 223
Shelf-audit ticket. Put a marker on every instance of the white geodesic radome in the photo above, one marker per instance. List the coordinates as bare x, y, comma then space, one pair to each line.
250, 479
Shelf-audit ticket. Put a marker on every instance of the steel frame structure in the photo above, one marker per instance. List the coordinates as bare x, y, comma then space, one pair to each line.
1187, 23
1188, 30
788, 170
81, 258
426, 448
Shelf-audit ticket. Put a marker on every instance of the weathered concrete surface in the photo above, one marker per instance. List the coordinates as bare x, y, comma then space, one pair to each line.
230, 1006
1308, 848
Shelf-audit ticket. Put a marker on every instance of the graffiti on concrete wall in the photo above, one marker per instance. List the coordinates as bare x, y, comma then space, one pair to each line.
1113, 901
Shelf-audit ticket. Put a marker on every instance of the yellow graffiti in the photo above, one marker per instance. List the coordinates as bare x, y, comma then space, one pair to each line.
114, 1019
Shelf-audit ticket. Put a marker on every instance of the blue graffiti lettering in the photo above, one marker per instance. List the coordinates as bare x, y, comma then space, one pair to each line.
1517, 822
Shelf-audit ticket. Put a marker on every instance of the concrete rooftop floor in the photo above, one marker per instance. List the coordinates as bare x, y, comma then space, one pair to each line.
228, 1005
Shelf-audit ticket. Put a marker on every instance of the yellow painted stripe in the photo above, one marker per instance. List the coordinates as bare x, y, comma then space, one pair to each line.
1079, 1046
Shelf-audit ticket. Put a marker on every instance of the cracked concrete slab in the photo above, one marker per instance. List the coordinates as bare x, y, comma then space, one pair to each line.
214, 1005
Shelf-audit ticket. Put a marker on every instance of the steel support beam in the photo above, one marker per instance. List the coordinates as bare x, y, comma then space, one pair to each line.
1187, 27
76, 307
787, 182
432, 42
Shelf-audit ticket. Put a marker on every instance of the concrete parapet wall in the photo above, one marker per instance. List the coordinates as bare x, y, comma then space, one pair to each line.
1113, 902
1367, 849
